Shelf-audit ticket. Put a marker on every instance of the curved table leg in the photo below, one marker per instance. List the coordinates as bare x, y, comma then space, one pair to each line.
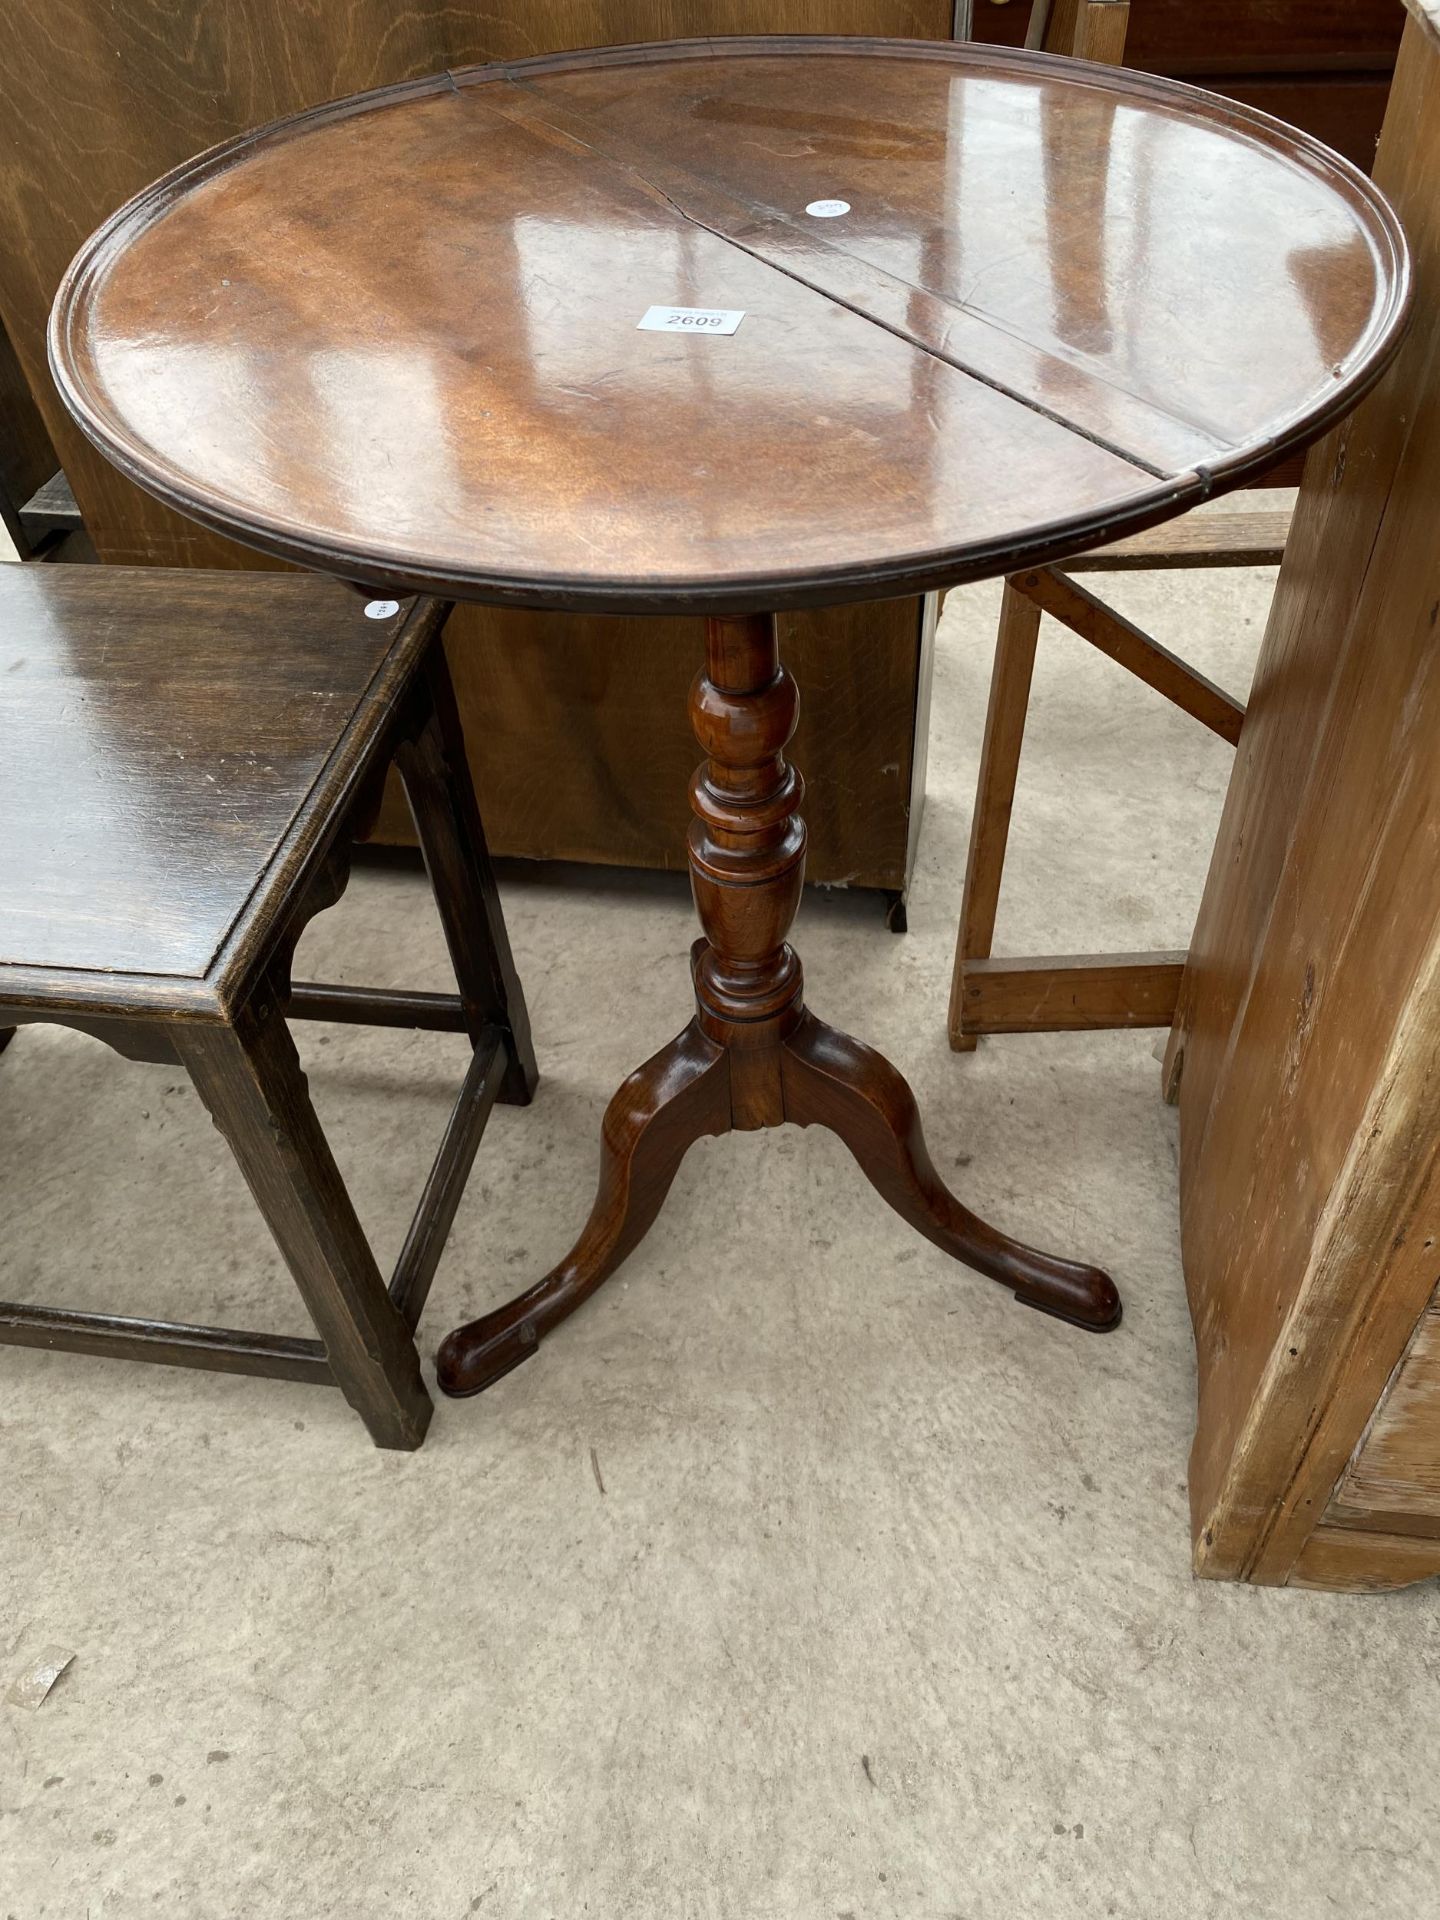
833, 1081
752, 1057
653, 1119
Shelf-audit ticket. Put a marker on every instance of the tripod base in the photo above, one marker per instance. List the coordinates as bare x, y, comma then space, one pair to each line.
820, 1078
753, 1056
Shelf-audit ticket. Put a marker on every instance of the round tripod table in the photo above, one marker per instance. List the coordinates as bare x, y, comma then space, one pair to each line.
732, 326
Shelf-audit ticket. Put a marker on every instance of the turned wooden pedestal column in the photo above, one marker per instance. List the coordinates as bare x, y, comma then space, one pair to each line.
753, 1056
829, 416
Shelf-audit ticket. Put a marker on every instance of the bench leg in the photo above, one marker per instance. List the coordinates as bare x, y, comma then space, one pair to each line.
436, 776
249, 1076
994, 796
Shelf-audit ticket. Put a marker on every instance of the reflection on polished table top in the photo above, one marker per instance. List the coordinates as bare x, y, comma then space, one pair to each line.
397, 337
993, 308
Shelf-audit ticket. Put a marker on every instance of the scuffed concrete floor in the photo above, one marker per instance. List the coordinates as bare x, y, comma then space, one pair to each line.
885, 1607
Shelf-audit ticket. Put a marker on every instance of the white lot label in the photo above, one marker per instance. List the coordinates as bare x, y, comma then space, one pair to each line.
828, 209
691, 320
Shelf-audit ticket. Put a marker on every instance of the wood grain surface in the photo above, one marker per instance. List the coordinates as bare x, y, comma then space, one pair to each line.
97, 97
1427, 13
183, 758
1393, 1478
1058, 993
1237, 36
1310, 1013
754, 1056
1122, 641
140, 807
976, 365
607, 699
27, 458
1249, 539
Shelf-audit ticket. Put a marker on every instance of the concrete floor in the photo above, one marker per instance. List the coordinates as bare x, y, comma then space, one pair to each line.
885, 1606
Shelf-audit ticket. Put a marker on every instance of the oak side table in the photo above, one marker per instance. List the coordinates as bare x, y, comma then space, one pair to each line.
731, 327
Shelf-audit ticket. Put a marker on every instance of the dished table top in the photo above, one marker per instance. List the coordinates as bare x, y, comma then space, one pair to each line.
397, 337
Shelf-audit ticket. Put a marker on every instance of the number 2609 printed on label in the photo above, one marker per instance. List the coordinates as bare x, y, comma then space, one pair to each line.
691, 320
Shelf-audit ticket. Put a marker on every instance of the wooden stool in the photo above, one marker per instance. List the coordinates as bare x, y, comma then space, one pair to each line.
1068, 993
1059, 993
188, 756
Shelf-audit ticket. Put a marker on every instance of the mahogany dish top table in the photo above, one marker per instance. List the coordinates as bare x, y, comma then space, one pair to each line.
732, 326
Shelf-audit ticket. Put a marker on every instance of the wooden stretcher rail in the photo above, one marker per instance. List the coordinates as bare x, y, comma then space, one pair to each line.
171, 1343
1070, 993
1252, 539
445, 1184
377, 1007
